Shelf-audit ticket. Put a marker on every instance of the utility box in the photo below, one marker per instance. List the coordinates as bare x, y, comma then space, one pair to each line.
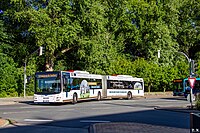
194, 122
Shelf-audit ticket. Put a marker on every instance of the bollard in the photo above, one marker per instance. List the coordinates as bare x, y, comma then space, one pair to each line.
194, 122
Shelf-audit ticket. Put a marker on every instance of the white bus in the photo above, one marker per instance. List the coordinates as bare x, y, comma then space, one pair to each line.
63, 86
123, 86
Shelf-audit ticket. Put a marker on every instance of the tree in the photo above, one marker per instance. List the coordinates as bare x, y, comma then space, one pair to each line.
5, 39
8, 77
188, 28
102, 36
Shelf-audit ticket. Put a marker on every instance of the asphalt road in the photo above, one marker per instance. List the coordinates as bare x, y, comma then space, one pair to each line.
78, 118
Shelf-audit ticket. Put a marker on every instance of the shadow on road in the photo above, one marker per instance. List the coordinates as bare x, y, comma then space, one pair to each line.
165, 119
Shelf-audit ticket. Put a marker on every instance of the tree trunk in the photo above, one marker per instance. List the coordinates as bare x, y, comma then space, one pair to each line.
164, 89
49, 64
149, 88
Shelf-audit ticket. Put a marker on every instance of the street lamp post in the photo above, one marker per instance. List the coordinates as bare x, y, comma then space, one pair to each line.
25, 64
25, 78
190, 71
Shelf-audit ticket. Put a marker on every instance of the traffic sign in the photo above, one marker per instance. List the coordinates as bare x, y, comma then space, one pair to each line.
192, 82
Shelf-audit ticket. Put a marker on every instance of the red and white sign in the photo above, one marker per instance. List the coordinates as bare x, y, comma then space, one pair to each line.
192, 82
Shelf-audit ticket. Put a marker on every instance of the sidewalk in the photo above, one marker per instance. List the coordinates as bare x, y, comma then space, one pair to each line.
127, 127
12, 101
15, 100
3, 122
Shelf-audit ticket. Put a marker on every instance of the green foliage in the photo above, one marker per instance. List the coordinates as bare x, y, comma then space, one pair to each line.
149, 71
3, 94
8, 77
102, 37
197, 104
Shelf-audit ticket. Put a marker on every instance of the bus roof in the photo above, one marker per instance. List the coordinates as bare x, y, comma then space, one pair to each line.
124, 78
196, 79
85, 74
81, 75
73, 74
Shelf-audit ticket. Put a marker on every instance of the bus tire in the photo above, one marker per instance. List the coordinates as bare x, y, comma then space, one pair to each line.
99, 96
74, 98
129, 95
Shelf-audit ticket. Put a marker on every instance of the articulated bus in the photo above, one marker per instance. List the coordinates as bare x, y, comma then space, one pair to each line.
63, 86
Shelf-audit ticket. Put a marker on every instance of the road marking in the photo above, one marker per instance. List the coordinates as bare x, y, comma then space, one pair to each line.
6, 113
102, 108
37, 120
95, 121
66, 109
32, 107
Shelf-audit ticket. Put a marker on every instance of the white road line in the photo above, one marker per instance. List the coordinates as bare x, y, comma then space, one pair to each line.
37, 120
102, 108
95, 121
6, 113
65, 109
35, 106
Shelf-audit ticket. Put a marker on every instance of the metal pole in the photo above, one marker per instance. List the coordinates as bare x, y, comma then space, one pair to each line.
190, 66
190, 71
191, 98
189, 60
25, 78
25, 63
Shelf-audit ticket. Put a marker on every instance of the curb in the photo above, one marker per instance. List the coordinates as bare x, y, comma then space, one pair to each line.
4, 122
177, 109
15, 100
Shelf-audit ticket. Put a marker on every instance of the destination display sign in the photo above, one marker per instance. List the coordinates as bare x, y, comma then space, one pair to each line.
47, 75
177, 80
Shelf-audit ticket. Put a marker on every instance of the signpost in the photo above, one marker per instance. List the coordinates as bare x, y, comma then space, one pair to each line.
192, 83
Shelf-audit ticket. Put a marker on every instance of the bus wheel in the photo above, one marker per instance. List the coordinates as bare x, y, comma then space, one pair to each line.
99, 96
74, 99
129, 95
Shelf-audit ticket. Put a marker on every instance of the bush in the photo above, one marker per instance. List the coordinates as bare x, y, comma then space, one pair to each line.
3, 94
12, 92
8, 77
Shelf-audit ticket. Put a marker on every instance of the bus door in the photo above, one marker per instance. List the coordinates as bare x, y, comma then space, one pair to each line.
104, 86
66, 86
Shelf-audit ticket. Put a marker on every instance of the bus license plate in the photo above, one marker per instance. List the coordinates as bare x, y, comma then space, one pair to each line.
45, 100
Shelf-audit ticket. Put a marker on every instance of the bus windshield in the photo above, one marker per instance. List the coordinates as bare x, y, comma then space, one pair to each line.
178, 87
48, 85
